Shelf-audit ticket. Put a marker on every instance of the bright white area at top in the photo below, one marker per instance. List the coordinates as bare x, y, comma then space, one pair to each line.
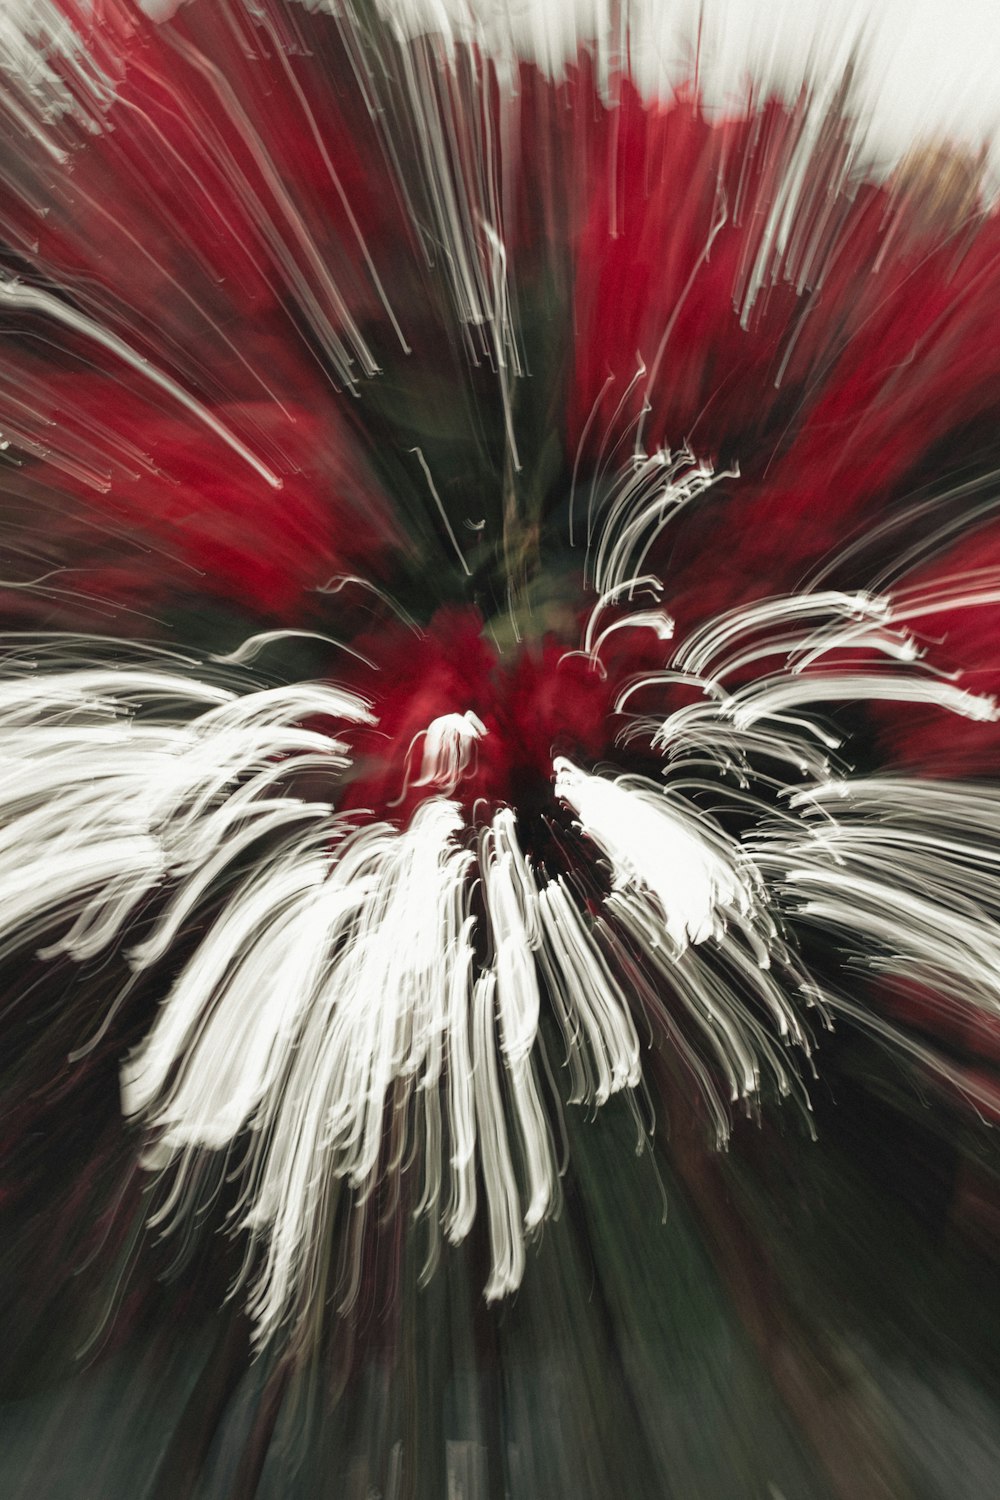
929, 67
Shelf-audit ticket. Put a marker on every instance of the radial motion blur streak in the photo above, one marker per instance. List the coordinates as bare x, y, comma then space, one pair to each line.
499, 799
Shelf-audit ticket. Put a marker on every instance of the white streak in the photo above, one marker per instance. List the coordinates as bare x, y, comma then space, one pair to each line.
660, 854
651, 493
49, 72
602, 1049
33, 299
449, 750
511, 900
904, 872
